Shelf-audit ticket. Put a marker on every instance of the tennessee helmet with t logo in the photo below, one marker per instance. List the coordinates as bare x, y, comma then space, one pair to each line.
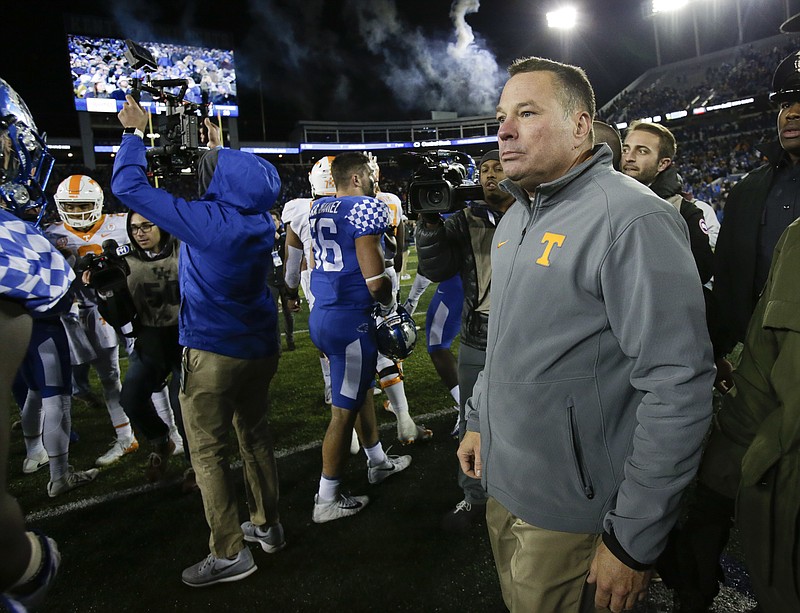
79, 200
25, 162
321, 179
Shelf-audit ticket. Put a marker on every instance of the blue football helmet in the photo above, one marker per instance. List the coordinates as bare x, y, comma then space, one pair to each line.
25, 162
396, 335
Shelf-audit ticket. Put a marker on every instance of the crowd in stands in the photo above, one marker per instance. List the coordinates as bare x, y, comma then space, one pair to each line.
712, 157
747, 73
713, 154
99, 69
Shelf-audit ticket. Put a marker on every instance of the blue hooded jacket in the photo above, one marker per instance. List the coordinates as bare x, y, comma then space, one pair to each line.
227, 237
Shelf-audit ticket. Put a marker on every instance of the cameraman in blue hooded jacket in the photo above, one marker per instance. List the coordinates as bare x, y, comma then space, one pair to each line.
227, 326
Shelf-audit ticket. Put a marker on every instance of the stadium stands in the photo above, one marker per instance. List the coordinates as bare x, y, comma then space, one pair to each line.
716, 149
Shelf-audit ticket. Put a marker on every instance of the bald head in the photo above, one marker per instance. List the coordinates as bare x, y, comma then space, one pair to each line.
604, 133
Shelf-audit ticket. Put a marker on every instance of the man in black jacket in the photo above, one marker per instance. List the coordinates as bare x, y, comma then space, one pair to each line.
462, 245
759, 208
647, 155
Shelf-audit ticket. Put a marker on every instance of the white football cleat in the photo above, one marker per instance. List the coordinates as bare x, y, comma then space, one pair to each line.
119, 448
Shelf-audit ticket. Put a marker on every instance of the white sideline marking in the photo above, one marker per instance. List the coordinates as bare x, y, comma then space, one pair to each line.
94, 501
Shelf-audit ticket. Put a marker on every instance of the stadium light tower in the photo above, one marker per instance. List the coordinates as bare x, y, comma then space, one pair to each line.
565, 18
654, 7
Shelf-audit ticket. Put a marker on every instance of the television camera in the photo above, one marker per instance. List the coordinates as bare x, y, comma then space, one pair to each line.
178, 150
443, 181
109, 270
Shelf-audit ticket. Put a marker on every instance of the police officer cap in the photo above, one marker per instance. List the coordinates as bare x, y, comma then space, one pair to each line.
786, 80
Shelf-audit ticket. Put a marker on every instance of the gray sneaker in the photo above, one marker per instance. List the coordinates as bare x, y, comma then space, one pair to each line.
393, 465
344, 506
220, 570
271, 540
70, 480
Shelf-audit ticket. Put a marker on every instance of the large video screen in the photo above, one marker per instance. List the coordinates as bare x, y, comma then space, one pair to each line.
101, 77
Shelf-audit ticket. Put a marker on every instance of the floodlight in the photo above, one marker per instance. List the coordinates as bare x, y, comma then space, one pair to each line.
665, 6
563, 19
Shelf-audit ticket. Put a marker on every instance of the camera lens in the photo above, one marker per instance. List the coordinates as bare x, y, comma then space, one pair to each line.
435, 196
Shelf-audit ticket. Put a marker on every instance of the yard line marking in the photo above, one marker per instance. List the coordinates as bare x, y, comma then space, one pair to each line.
94, 501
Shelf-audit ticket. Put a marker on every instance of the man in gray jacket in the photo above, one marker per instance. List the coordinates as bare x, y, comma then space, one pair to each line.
587, 421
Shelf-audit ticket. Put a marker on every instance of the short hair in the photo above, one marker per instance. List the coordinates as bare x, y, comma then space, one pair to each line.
667, 145
576, 91
345, 165
605, 133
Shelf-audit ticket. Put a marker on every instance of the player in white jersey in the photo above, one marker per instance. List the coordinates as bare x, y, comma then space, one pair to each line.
298, 246
82, 231
295, 217
390, 374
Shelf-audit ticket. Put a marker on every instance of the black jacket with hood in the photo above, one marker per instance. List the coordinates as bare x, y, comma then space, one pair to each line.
667, 185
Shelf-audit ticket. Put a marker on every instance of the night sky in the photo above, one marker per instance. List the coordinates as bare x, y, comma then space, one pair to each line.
371, 60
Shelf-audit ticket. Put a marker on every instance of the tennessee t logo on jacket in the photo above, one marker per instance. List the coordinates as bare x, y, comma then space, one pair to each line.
550, 239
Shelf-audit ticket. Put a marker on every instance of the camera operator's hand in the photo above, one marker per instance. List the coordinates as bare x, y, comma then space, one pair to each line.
294, 304
431, 219
293, 300
212, 132
132, 115
86, 277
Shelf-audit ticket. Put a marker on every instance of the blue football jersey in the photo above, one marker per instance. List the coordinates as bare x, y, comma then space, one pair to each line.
336, 223
32, 271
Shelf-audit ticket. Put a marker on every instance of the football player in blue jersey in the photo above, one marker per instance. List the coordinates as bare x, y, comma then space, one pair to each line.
442, 325
349, 281
34, 279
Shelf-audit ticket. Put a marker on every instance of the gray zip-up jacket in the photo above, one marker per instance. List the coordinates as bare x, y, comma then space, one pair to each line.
596, 393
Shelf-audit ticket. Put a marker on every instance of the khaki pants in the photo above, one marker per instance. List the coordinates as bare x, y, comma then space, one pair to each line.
541, 571
219, 392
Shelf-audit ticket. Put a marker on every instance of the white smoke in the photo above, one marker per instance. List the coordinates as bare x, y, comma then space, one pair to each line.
464, 35
460, 75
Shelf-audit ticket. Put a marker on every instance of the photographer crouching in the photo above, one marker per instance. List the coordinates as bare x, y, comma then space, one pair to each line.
227, 326
149, 308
